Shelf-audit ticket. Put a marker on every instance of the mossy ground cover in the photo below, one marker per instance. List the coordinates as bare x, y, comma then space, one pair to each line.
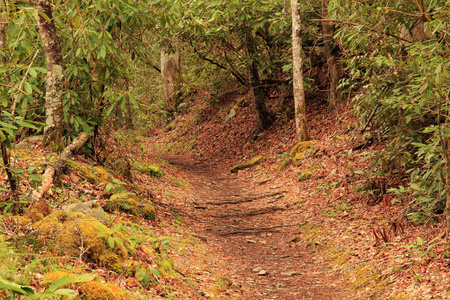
134, 253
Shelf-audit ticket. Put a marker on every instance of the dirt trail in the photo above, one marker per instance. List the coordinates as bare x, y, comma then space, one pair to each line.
256, 235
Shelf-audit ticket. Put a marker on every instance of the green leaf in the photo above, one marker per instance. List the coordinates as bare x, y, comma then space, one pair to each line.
25, 124
103, 51
33, 72
419, 241
155, 272
111, 242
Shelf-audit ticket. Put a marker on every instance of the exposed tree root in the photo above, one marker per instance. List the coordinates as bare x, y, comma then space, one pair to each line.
247, 199
253, 230
253, 213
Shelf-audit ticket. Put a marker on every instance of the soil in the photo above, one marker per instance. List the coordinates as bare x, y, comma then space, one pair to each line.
255, 233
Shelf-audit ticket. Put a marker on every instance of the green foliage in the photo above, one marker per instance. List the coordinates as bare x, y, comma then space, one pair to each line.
399, 64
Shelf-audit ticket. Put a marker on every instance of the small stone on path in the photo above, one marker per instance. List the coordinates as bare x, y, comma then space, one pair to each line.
263, 273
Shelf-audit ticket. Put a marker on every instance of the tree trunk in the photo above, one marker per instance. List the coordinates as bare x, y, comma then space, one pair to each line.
53, 131
255, 84
333, 67
299, 92
128, 106
446, 156
4, 136
172, 79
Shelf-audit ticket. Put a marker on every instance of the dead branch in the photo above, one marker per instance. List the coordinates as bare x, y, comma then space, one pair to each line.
50, 172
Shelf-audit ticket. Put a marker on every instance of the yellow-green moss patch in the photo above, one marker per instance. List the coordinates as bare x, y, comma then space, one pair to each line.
308, 173
93, 175
73, 232
93, 290
301, 147
150, 170
132, 204
252, 162
165, 267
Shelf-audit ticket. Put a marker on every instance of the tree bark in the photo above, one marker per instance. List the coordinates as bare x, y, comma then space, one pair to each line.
4, 152
50, 172
128, 106
255, 83
299, 92
333, 67
53, 131
172, 79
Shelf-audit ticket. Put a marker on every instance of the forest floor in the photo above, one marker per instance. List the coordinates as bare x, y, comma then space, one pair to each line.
305, 223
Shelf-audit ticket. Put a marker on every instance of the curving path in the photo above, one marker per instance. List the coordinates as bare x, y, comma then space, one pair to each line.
257, 236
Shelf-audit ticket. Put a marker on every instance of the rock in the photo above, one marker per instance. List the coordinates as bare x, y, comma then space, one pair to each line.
251, 241
252, 162
150, 170
69, 231
257, 269
230, 115
263, 273
132, 204
88, 208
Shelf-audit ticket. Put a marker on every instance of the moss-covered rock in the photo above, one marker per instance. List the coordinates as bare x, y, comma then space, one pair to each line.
73, 232
165, 267
248, 164
93, 290
51, 277
150, 170
95, 175
88, 208
132, 204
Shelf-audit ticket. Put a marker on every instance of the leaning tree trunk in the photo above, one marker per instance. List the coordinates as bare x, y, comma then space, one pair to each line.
172, 79
255, 84
53, 130
333, 67
299, 92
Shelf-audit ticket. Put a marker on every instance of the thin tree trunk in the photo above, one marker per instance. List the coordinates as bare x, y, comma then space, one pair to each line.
446, 155
53, 131
299, 92
255, 84
333, 67
172, 79
4, 152
128, 106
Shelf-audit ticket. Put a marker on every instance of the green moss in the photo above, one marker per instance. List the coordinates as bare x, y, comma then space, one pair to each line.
300, 147
252, 162
51, 277
132, 204
150, 170
93, 290
96, 175
308, 173
165, 267
73, 231
101, 174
